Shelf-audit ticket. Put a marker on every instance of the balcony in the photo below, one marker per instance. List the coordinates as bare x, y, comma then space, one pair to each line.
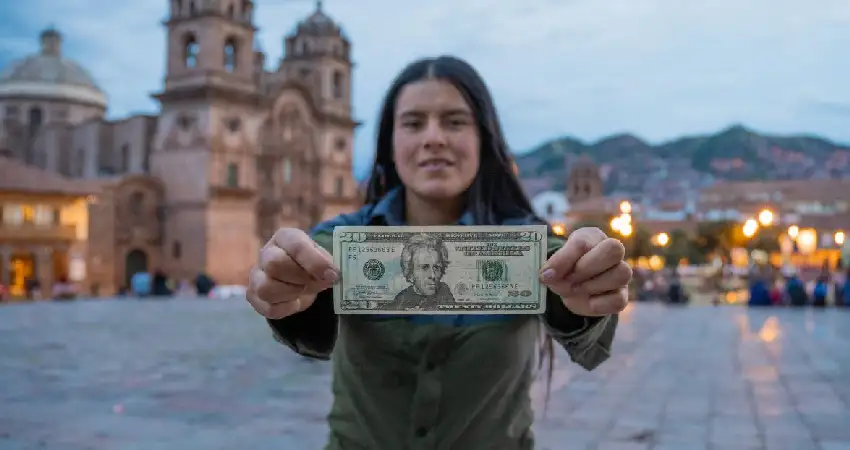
32, 232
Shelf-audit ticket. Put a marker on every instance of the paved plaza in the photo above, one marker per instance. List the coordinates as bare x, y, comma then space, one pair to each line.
189, 374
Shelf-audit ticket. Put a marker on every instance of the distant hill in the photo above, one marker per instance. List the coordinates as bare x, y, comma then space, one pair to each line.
736, 153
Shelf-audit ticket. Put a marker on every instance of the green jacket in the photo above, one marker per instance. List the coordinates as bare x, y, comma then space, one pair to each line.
400, 384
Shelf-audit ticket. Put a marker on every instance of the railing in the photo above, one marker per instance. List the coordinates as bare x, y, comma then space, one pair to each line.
29, 231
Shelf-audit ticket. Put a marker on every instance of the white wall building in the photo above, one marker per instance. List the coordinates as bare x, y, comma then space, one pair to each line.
550, 206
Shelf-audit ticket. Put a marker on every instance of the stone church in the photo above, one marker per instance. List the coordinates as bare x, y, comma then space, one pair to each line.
235, 152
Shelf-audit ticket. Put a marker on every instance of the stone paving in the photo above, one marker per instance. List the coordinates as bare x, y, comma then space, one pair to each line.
190, 374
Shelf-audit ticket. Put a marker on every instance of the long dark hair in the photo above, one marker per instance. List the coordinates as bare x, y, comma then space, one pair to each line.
496, 193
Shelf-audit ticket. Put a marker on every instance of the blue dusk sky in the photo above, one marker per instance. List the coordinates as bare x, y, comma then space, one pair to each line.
591, 68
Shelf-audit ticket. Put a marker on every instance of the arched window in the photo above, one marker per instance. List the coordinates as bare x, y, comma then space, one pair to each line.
230, 52
287, 171
190, 51
338, 84
232, 175
36, 116
246, 10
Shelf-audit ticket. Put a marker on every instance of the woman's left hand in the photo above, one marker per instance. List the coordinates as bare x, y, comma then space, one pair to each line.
589, 273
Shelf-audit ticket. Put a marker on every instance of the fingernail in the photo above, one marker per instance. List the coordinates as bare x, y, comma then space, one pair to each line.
548, 275
329, 275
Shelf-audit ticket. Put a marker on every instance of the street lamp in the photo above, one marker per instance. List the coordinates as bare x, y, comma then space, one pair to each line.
793, 231
750, 228
807, 241
766, 217
625, 207
662, 239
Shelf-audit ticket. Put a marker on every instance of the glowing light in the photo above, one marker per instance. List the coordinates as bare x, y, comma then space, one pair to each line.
793, 231
559, 229
616, 224
625, 207
807, 240
656, 262
750, 228
839, 237
766, 217
626, 229
662, 239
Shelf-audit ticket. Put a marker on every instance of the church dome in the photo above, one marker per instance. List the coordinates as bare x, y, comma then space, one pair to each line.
47, 75
319, 24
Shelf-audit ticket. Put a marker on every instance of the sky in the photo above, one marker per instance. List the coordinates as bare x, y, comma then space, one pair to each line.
586, 68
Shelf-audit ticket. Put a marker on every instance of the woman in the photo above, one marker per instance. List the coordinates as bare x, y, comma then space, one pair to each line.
435, 382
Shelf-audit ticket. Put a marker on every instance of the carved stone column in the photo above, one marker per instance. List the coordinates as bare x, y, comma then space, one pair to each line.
5, 265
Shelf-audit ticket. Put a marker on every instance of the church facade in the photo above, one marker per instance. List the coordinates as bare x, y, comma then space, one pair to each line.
236, 151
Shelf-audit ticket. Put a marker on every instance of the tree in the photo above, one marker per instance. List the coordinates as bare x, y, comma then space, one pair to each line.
718, 239
680, 247
766, 239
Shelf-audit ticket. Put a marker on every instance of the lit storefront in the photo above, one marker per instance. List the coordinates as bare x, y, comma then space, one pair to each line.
43, 229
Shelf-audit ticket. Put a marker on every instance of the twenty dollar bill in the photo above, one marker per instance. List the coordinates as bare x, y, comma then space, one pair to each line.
439, 270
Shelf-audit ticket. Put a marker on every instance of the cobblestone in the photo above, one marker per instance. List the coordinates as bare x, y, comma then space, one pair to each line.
197, 374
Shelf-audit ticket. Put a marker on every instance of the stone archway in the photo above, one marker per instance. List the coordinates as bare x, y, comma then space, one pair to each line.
136, 261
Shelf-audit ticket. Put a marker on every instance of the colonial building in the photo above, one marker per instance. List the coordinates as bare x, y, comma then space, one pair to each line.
235, 152
584, 181
44, 229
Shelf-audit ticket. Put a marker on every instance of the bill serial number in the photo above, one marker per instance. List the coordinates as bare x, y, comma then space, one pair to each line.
494, 286
370, 249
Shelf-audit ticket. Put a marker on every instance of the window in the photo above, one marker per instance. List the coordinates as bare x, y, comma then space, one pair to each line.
190, 50
137, 200
230, 55
28, 213
231, 12
287, 171
43, 215
233, 124
550, 209
35, 118
340, 186
176, 250
12, 112
338, 84
125, 158
232, 175
13, 215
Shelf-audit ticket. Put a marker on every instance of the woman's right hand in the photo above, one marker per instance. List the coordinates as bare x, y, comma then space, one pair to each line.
291, 271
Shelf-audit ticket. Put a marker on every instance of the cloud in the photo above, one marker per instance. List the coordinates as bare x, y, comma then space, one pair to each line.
655, 68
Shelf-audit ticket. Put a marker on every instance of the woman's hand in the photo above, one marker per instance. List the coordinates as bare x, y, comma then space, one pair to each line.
589, 273
291, 271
